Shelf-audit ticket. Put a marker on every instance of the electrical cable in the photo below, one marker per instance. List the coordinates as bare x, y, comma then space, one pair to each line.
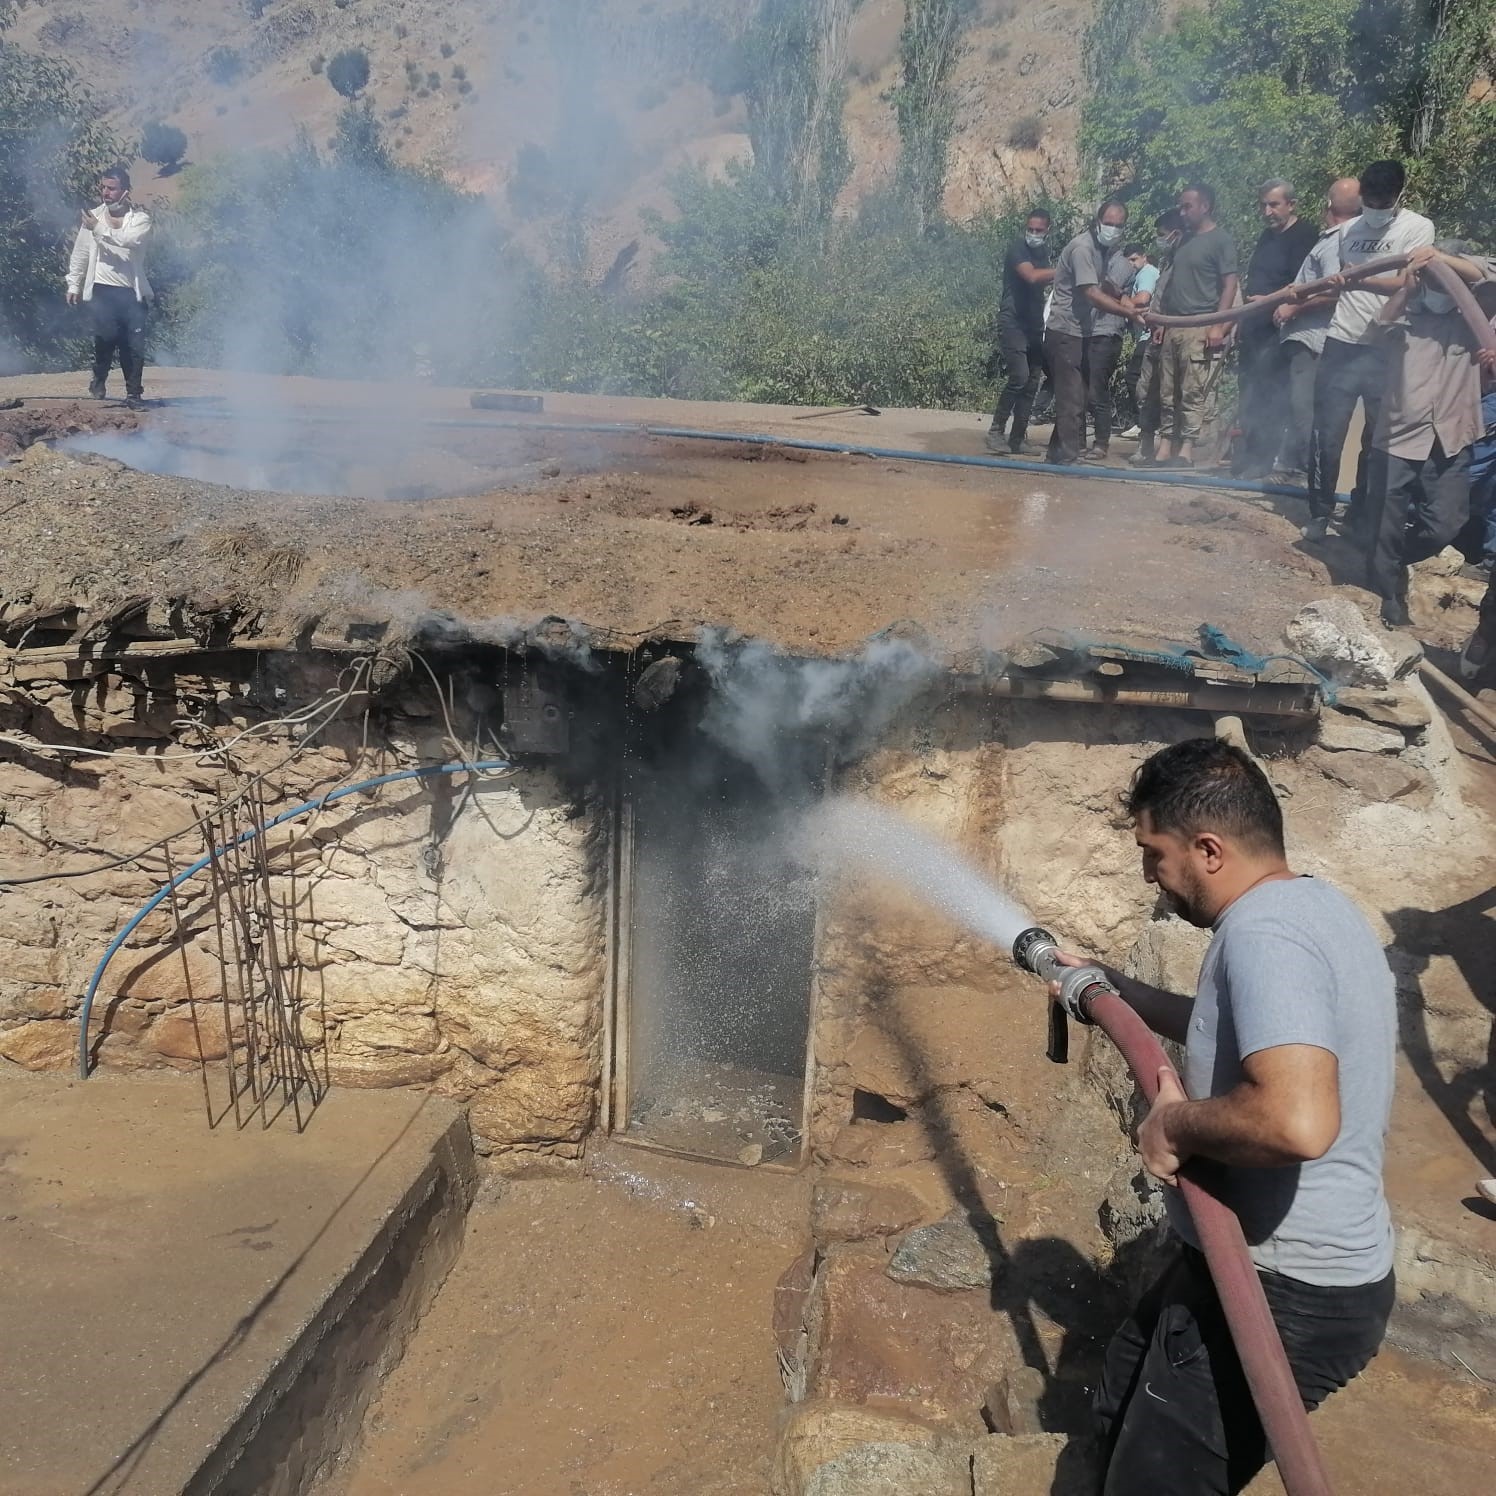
316, 804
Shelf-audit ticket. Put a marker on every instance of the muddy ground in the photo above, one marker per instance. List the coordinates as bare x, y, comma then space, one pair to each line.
627, 534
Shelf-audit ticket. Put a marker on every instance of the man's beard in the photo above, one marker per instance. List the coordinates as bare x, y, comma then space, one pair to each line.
1189, 906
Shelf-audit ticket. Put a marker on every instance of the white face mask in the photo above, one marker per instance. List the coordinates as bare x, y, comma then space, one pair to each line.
1108, 233
1035, 241
1377, 218
1438, 302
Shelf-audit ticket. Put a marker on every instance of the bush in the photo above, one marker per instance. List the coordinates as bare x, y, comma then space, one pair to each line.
465, 87
163, 145
317, 64
433, 81
447, 49
256, 8
225, 66
1027, 132
458, 72
348, 72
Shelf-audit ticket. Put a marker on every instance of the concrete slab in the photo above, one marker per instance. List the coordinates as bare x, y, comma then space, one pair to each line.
195, 1310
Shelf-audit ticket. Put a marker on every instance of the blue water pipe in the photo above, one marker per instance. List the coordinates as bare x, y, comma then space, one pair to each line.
1175, 477
330, 798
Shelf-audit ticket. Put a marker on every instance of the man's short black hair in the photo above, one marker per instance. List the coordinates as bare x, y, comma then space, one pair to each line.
1207, 195
1169, 221
1204, 784
1043, 213
1135, 249
116, 174
1384, 179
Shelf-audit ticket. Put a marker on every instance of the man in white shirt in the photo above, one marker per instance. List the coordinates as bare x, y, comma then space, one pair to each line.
1353, 365
107, 273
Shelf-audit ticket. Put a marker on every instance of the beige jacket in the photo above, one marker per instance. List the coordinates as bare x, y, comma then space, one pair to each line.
123, 248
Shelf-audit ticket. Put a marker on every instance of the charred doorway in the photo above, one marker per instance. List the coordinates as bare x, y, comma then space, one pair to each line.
716, 935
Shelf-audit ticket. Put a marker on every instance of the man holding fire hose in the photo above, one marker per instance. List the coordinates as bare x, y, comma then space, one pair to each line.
1288, 1072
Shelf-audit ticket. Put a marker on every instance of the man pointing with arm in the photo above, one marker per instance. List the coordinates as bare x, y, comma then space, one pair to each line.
1289, 1045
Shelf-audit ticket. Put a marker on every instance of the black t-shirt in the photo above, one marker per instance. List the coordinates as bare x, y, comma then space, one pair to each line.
1277, 257
1023, 304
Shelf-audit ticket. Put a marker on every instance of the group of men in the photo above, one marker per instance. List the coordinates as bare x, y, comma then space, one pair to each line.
1395, 343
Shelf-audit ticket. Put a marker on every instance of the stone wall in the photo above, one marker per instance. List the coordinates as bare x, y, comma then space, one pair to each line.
443, 937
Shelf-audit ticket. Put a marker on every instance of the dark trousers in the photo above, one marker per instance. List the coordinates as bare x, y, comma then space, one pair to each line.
1066, 356
1100, 360
1023, 363
1347, 372
1263, 397
1423, 506
1176, 1414
119, 327
1298, 450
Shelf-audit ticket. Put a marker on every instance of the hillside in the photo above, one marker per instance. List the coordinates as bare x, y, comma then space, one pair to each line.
610, 99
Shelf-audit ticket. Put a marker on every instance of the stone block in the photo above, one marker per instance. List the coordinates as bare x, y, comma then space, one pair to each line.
818, 1434
31, 964
1341, 734
1395, 707
174, 1035
891, 1470
1374, 777
552, 1098
1034, 1465
405, 1033
45, 1045
1014, 1400
848, 1210
1335, 636
376, 1069
883, 1145
950, 1256
358, 989
877, 1341
383, 944
22, 1003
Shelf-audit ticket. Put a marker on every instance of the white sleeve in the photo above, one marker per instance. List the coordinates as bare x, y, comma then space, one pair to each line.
78, 262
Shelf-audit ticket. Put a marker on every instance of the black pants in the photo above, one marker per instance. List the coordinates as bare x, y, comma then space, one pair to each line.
1421, 509
1101, 358
1023, 363
119, 326
1175, 1410
1298, 450
1263, 399
1347, 372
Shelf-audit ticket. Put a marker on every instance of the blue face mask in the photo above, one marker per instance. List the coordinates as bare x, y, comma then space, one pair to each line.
1108, 234
1035, 241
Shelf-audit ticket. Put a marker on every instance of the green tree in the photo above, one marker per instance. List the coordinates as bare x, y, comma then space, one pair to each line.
53, 143
163, 145
348, 72
930, 46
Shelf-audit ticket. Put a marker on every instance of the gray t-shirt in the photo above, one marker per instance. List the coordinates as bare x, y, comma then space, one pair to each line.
1295, 962
1201, 265
1083, 262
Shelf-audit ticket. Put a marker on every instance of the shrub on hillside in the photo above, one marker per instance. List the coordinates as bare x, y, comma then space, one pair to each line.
348, 72
163, 145
1027, 132
225, 66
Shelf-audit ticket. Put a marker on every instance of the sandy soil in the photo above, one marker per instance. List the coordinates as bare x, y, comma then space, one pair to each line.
598, 1337
633, 534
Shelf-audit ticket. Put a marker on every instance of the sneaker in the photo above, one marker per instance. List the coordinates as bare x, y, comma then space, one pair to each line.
135, 402
96, 390
1097, 455
1142, 460
996, 443
1316, 529
1025, 449
1486, 1189
1395, 613
1131, 434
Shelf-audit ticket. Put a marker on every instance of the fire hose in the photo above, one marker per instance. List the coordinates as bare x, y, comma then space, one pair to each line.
1444, 274
1087, 995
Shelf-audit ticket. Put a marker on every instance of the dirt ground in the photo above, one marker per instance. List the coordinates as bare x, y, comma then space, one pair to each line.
627, 534
599, 1336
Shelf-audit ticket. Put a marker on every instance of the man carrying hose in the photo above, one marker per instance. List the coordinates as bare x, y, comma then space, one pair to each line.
1353, 365
1430, 421
1289, 1045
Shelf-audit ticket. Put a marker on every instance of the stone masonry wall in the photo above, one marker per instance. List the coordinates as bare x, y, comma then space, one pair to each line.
443, 938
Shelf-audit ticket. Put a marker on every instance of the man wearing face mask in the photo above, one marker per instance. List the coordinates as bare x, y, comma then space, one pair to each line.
1083, 339
1353, 365
1202, 278
1279, 252
1303, 325
1429, 422
1020, 332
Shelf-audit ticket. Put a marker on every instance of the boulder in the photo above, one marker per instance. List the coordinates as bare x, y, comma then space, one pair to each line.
1400, 707
41, 1046
1375, 777
818, 1436
1333, 635
950, 1256
1030, 1463
1339, 734
845, 1210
